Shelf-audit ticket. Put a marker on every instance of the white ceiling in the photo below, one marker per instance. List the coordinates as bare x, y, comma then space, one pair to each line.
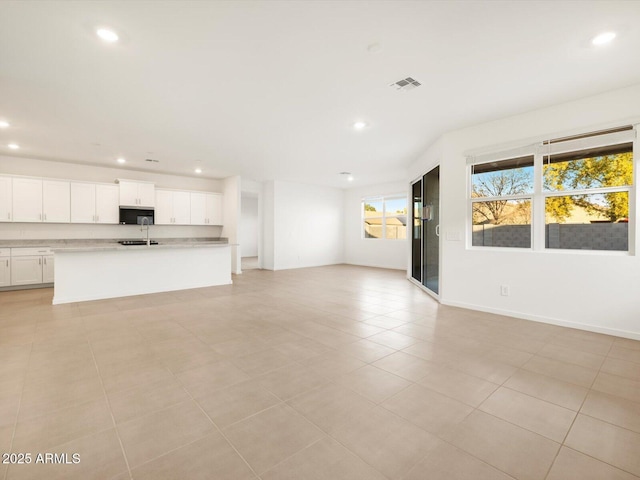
270, 89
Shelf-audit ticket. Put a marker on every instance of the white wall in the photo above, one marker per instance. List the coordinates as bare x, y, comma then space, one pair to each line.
71, 171
249, 226
589, 290
267, 253
307, 226
371, 252
232, 219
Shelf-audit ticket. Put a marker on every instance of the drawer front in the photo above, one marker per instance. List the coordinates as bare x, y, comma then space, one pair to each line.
5, 252
30, 251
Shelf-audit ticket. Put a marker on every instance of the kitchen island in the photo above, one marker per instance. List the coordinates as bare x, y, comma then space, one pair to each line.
107, 270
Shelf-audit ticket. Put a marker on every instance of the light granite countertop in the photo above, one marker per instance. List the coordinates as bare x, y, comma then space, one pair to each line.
88, 245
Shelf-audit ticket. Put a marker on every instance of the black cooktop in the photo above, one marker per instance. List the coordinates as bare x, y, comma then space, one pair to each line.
137, 242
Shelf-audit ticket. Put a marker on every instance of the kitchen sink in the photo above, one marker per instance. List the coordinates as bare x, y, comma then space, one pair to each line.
137, 242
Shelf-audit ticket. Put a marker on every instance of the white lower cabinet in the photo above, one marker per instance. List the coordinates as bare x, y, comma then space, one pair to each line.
47, 269
5, 267
31, 266
26, 270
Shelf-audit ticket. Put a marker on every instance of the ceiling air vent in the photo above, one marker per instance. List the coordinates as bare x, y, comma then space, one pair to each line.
151, 160
406, 84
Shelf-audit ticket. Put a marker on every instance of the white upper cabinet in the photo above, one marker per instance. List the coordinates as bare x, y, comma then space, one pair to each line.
27, 200
137, 194
6, 199
172, 208
56, 201
107, 204
213, 209
206, 208
197, 208
83, 202
164, 207
91, 203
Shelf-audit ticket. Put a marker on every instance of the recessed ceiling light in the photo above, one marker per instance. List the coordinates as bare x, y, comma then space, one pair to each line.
13, 146
603, 38
347, 175
3, 124
121, 160
359, 125
107, 35
198, 170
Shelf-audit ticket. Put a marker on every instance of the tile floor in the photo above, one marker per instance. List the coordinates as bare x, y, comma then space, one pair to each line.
326, 373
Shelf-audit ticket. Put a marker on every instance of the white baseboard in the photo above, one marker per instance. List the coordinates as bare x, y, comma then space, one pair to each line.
552, 321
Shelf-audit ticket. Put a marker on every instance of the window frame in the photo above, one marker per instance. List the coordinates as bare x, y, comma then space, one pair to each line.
383, 216
539, 195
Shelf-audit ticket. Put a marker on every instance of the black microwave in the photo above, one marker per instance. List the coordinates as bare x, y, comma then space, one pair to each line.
134, 216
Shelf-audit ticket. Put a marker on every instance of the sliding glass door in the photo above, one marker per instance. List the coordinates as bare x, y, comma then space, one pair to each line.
425, 239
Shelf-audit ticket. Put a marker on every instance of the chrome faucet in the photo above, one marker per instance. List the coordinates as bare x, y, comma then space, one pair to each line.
142, 228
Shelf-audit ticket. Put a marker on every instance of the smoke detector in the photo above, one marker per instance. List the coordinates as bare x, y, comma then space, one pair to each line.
406, 84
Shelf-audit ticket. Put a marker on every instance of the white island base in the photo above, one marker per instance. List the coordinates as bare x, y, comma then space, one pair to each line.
84, 274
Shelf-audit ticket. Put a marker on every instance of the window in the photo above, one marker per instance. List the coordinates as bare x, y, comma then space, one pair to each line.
385, 217
570, 193
501, 195
587, 198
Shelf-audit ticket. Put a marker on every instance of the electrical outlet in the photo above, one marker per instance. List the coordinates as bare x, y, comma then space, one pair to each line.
504, 290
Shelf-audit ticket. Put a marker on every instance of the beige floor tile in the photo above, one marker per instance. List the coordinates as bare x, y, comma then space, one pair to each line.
266, 439
301, 349
385, 322
61, 426
626, 343
507, 355
404, 365
460, 386
6, 434
585, 341
393, 339
609, 443
324, 460
333, 365
291, 380
100, 458
373, 383
564, 371
121, 378
9, 405
629, 354
447, 462
206, 379
237, 402
427, 409
618, 386
568, 355
366, 350
146, 398
622, 368
39, 399
145, 438
330, 406
485, 368
544, 418
371, 432
261, 362
207, 458
549, 389
616, 410
514, 450
570, 465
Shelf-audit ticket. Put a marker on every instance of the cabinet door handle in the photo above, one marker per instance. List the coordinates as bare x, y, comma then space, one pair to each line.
45, 261
39, 261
